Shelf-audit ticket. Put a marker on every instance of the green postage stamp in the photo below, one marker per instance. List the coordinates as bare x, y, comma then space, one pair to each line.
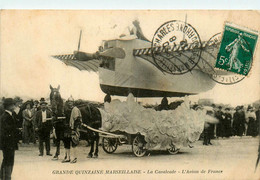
236, 49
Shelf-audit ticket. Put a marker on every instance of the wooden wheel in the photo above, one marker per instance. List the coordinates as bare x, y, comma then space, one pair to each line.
138, 146
109, 145
173, 149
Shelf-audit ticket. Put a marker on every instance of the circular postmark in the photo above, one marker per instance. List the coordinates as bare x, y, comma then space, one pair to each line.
208, 61
175, 47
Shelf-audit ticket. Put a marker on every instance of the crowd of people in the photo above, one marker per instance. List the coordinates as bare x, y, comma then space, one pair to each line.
33, 120
25, 116
242, 122
26, 121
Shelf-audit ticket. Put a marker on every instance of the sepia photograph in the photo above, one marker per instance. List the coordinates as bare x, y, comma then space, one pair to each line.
129, 94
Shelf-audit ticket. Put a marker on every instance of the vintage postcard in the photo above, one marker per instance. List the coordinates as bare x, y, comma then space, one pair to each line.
120, 94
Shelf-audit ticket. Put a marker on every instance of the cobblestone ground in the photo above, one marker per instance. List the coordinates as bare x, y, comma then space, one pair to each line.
232, 158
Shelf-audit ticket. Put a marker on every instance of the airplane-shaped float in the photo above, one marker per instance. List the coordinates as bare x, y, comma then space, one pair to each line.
127, 65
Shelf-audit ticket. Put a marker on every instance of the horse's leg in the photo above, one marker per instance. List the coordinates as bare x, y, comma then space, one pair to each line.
58, 139
92, 141
58, 143
90, 154
97, 143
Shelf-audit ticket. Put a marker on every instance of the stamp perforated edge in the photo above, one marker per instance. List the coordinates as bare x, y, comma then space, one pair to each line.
243, 28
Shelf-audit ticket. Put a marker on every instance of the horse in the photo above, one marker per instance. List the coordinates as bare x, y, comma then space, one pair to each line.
91, 116
56, 101
57, 108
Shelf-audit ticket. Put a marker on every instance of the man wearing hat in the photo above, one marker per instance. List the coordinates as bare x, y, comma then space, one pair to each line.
208, 129
43, 126
239, 121
42, 100
251, 122
8, 139
227, 123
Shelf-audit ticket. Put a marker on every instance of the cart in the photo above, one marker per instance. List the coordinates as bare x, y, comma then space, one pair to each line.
110, 142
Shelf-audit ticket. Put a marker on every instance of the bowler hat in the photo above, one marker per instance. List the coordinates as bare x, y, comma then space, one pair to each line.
8, 102
42, 99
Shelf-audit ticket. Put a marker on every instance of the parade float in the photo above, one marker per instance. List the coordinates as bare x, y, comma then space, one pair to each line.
129, 122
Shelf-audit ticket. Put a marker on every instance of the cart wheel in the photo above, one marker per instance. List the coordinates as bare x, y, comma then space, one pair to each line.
109, 145
138, 146
173, 150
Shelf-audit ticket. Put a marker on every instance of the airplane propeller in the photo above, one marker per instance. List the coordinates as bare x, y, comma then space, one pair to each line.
111, 53
114, 52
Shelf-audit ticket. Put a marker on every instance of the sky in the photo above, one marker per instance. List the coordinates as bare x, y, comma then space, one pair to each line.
30, 38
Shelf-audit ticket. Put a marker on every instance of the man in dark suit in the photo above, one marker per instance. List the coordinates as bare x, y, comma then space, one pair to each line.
18, 115
239, 121
227, 123
8, 139
43, 123
220, 116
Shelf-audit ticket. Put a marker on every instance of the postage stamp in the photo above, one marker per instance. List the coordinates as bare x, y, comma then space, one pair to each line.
236, 49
